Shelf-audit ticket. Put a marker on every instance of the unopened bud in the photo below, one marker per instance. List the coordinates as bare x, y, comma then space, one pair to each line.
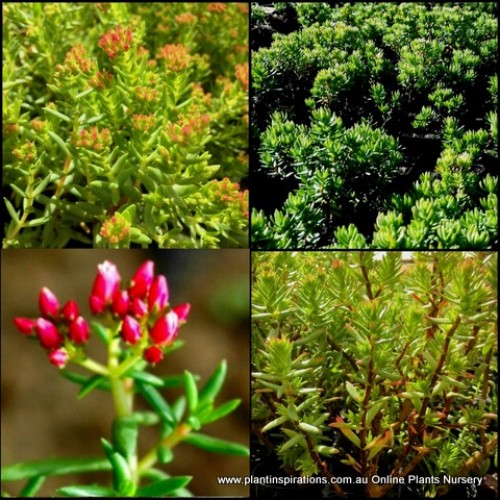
142, 280
70, 311
59, 357
79, 330
48, 334
153, 355
48, 303
131, 330
25, 325
165, 329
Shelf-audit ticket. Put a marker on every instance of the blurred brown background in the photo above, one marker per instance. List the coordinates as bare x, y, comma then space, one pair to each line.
40, 416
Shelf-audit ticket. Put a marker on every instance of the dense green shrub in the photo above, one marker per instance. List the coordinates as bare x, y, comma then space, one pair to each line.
367, 366
413, 70
125, 124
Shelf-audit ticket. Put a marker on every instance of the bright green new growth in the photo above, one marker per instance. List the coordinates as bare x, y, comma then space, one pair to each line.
131, 476
384, 366
125, 125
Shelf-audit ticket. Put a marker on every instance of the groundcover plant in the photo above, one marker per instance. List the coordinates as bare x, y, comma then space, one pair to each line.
125, 124
138, 327
375, 125
383, 371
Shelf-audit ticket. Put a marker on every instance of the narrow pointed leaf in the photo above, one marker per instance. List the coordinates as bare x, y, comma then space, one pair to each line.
222, 411
155, 399
163, 487
216, 445
91, 384
86, 491
53, 467
214, 384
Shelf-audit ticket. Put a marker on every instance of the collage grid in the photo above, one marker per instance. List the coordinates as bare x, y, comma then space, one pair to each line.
259, 244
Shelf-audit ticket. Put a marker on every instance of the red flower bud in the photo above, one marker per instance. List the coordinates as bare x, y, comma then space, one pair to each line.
142, 280
97, 305
138, 308
153, 355
158, 295
25, 325
79, 330
70, 310
59, 357
106, 282
48, 334
48, 303
131, 330
165, 329
182, 311
121, 303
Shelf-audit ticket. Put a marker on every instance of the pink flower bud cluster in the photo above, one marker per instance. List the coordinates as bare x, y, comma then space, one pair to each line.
93, 138
176, 56
100, 80
141, 312
142, 308
115, 229
75, 61
147, 94
143, 122
57, 328
116, 41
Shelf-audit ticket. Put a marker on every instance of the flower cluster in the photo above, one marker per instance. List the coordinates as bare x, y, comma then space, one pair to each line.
176, 56
146, 93
116, 41
217, 7
141, 307
242, 74
229, 193
27, 152
93, 138
115, 229
186, 18
59, 329
188, 125
143, 122
75, 61
100, 80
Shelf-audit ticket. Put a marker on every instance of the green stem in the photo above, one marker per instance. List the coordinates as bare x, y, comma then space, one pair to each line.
94, 366
173, 439
121, 397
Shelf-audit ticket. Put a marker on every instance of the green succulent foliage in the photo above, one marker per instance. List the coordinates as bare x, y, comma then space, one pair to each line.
142, 146
340, 171
376, 363
407, 70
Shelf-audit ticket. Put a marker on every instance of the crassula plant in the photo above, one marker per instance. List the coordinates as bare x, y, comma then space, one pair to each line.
138, 328
125, 125
378, 369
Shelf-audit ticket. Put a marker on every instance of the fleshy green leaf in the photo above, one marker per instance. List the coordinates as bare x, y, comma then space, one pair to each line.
164, 487
101, 332
12, 211
59, 142
125, 436
91, 384
147, 378
155, 399
214, 384
216, 445
222, 411
191, 391
53, 467
165, 455
86, 491
32, 486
